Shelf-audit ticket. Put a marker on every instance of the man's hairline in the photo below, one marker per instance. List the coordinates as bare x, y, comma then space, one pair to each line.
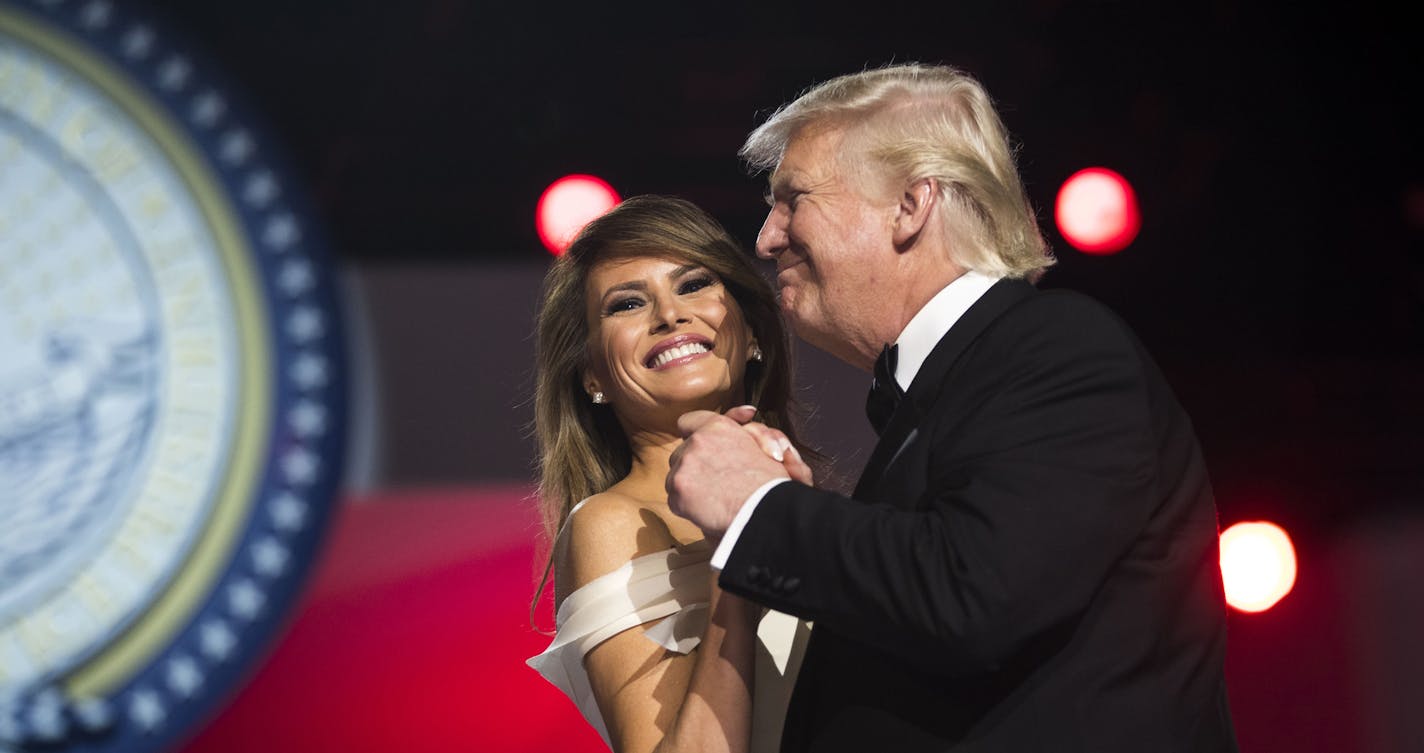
846, 165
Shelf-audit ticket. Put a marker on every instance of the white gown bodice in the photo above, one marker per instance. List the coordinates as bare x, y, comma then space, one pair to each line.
670, 588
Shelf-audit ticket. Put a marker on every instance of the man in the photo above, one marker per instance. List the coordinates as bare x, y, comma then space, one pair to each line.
1029, 561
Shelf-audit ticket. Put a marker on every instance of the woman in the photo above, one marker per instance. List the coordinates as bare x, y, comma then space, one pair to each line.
653, 312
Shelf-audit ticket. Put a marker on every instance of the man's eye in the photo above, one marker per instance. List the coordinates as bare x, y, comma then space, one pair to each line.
789, 198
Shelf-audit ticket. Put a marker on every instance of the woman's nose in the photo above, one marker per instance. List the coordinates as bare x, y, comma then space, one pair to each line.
667, 312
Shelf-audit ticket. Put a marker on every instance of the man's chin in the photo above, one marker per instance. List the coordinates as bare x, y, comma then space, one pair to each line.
804, 324
790, 302
793, 317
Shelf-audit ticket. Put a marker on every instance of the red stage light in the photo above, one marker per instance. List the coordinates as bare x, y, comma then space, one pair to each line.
1097, 211
567, 205
1257, 565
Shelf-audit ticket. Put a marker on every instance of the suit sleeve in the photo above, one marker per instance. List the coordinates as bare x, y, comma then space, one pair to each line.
1039, 481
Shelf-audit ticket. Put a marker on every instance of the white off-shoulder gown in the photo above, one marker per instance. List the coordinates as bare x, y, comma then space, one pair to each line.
670, 588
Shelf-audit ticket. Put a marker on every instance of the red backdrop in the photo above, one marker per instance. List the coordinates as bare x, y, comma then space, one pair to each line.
414, 629
411, 637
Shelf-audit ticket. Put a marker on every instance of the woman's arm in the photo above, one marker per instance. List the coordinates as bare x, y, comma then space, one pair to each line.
653, 699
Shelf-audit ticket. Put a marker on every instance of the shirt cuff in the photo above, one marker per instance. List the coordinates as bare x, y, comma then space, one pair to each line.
729, 539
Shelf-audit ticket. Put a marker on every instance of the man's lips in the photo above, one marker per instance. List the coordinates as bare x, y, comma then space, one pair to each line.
781, 271
679, 347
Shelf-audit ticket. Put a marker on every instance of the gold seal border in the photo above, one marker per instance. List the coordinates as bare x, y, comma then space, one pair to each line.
195, 577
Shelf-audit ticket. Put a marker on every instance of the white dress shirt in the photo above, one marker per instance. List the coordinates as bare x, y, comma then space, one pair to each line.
925, 330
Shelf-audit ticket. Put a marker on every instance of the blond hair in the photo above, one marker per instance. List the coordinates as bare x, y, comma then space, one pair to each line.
913, 122
582, 448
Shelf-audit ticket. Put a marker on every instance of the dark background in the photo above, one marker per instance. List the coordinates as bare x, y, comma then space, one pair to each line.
1278, 277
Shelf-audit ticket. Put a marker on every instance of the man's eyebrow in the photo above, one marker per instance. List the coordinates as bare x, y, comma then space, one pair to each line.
776, 185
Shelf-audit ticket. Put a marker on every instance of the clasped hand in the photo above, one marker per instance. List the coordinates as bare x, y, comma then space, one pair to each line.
723, 459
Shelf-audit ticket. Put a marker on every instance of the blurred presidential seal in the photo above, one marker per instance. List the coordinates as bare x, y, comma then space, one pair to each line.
171, 392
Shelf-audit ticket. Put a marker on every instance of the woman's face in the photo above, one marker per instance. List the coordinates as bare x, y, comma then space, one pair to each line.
665, 337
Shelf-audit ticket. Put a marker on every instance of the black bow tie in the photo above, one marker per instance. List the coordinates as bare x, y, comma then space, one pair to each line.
885, 392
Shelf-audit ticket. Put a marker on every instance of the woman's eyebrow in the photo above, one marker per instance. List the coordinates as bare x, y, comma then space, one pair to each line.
637, 285
642, 287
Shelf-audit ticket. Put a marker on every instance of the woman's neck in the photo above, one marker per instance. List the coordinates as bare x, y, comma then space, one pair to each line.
652, 451
652, 444
646, 482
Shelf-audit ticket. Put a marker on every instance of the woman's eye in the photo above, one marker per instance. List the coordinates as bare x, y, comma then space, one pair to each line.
623, 304
695, 284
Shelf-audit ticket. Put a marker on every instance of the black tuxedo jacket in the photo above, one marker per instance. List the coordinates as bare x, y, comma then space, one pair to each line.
1029, 562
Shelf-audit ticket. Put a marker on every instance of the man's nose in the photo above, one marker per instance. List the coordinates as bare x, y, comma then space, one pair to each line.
772, 238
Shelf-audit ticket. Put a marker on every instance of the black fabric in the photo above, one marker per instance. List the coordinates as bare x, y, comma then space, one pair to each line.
885, 392
1029, 562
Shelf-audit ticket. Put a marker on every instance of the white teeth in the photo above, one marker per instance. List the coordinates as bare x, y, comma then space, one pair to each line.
678, 352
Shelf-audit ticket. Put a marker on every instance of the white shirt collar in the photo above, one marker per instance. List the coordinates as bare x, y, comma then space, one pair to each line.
931, 322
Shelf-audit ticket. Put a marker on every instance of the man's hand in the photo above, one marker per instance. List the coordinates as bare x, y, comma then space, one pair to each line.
721, 462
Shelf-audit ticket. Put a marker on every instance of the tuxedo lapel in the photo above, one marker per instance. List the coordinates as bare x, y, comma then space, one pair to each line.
930, 379
899, 431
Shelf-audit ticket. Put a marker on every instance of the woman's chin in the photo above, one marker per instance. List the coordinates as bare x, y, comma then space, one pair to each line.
691, 399
714, 402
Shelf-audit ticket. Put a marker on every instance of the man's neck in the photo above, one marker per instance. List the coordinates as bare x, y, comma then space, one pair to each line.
938, 315
902, 307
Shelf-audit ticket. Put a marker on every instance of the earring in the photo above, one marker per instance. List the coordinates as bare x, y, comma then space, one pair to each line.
599, 399
756, 353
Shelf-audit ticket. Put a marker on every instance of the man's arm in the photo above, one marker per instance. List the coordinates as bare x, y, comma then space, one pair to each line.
1039, 483
734, 529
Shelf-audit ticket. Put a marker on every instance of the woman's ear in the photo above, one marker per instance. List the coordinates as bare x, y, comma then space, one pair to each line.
594, 391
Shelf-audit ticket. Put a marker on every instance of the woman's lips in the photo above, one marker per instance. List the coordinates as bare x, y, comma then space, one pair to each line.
680, 355
676, 350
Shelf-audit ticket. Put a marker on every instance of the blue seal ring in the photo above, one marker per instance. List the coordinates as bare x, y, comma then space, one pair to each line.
160, 689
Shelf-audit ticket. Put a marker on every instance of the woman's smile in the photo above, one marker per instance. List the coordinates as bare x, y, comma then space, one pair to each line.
676, 351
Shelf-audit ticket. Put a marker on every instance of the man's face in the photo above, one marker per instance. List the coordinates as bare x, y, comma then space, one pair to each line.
833, 245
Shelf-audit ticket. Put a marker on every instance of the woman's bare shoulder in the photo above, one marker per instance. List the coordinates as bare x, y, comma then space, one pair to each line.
608, 531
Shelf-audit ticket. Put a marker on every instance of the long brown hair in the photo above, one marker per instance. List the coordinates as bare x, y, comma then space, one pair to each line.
582, 449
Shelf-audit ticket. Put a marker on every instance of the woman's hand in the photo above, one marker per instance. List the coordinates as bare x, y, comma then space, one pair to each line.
774, 443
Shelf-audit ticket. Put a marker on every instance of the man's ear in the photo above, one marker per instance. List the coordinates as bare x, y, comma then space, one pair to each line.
917, 205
